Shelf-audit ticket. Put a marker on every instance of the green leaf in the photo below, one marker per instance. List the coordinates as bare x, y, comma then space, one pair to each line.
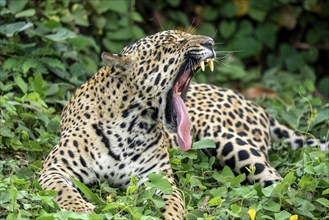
325, 192
37, 84
258, 11
282, 215
227, 28
119, 6
290, 118
53, 125
321, 117
286, 50
136, 16
11, 63
194, 215
307, 205
121, 34
210, 13
76, 69
160, 182
180, 17
207, 29
235, 211
191, 154
21, 84
53, 62
28, 64
245, 28
174, 3
216, 201
236, 181
6, 132
234, 71
158, 201
323, 86
289, 178
248, 47
272, 206
78, 15
218, 192
26, 13
306, 181
322, 169
61, 34
323, 201
312, 36
16, 6
52, 89
294, 61
311, 55
195, 182
266, 33
84, 43
138, 32
227, 172
100, 6
204, 144
10, 29
87, 192
228, 9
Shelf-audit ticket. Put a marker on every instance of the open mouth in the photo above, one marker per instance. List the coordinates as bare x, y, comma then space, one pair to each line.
176, 112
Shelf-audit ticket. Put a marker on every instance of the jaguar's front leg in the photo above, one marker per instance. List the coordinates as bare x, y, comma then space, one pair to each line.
68, 197
174, 203
174, 208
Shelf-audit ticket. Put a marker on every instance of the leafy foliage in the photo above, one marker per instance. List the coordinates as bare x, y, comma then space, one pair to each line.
48, 48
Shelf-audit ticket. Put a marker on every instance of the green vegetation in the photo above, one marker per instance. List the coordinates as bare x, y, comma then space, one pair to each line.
48, 48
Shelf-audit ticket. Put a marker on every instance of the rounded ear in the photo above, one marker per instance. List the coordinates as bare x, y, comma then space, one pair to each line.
116, 60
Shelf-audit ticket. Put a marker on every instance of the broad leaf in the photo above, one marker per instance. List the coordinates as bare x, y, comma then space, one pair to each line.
160, 182
204, 144
87, 192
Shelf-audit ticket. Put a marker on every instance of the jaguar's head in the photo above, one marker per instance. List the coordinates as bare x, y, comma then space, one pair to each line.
160, 67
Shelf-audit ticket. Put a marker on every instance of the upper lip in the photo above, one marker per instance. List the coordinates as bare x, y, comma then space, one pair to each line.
187, 71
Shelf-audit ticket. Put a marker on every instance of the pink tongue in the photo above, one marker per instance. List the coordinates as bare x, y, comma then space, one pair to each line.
183, 123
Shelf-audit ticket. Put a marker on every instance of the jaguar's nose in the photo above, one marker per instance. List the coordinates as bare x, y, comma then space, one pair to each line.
208, 43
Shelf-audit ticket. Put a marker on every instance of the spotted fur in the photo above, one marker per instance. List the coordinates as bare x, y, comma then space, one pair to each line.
113, 127
243, 131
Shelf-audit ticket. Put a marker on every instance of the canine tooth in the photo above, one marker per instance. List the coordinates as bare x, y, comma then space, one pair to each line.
202, 65
211, 65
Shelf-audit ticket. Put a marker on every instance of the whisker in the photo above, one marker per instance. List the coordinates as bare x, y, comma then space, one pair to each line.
191, 64
215, 33
191, 29
229, 51
187, 66
222, 62
224, 56
223, 59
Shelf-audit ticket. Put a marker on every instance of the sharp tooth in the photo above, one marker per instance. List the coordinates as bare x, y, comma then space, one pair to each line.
211, 65
202, 65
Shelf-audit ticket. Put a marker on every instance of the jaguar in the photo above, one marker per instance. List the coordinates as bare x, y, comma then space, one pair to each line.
121, 122
115, 124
